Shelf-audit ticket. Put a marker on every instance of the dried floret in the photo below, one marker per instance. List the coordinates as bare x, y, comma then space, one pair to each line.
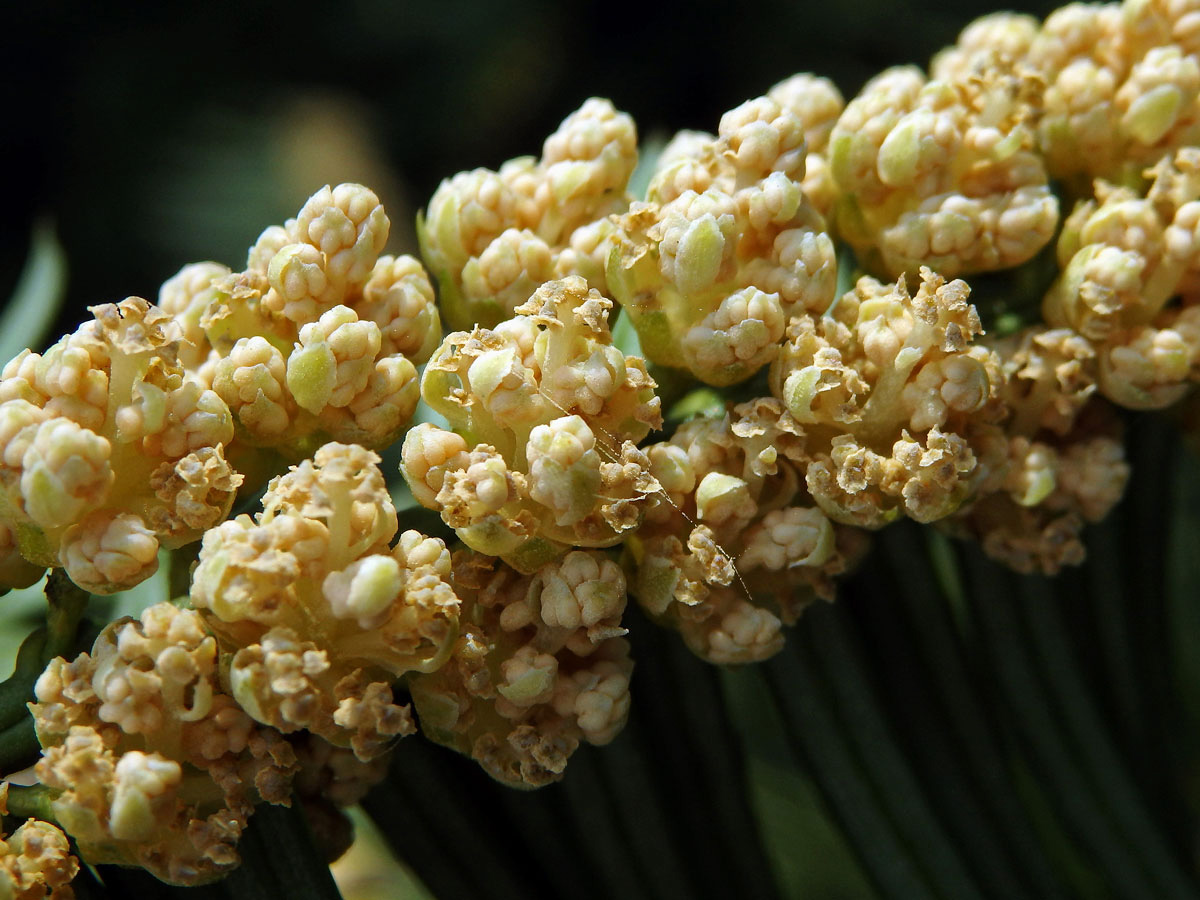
926, 480
1055, 463
36, 863
492, 237
1031, 515
734, 548
150, 762
318, 613
541, 666
545, 415
110, 449
727, 249
943, 172
893, 395
1050, 375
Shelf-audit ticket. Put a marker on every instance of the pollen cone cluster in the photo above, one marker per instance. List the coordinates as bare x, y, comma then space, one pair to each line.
937, 300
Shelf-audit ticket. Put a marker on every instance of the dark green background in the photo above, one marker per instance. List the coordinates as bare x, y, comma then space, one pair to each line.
158, 134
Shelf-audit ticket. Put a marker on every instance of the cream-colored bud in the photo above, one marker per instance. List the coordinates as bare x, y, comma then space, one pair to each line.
364, 590
815, 101
721, 497
564, 468
602, 702
141, 780
251, 380
105, 553
789, 537
744, 634
763, 137
348, 225
529, 677
64, 472
273, 239
297, 273
399, 298
581, 590
333, 360
738, 337
426, 451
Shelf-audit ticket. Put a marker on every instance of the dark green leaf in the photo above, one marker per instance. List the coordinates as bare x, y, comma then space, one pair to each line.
935, 701
808, 713
994, 595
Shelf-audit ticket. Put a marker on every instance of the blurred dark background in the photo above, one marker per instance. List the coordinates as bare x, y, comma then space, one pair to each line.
159, 134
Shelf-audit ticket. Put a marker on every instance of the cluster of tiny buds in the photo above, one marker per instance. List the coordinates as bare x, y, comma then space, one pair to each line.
584, 317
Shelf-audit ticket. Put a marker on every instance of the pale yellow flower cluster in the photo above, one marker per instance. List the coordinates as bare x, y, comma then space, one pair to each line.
318, 338
36, 863
1103, 97
111, 449
726, 247
1122, 87
1055, 163
892, 392
320, 614
492, 237
1127, 256
540, 666
153, 763
545, 416
735, 547
118, 439
942, 172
